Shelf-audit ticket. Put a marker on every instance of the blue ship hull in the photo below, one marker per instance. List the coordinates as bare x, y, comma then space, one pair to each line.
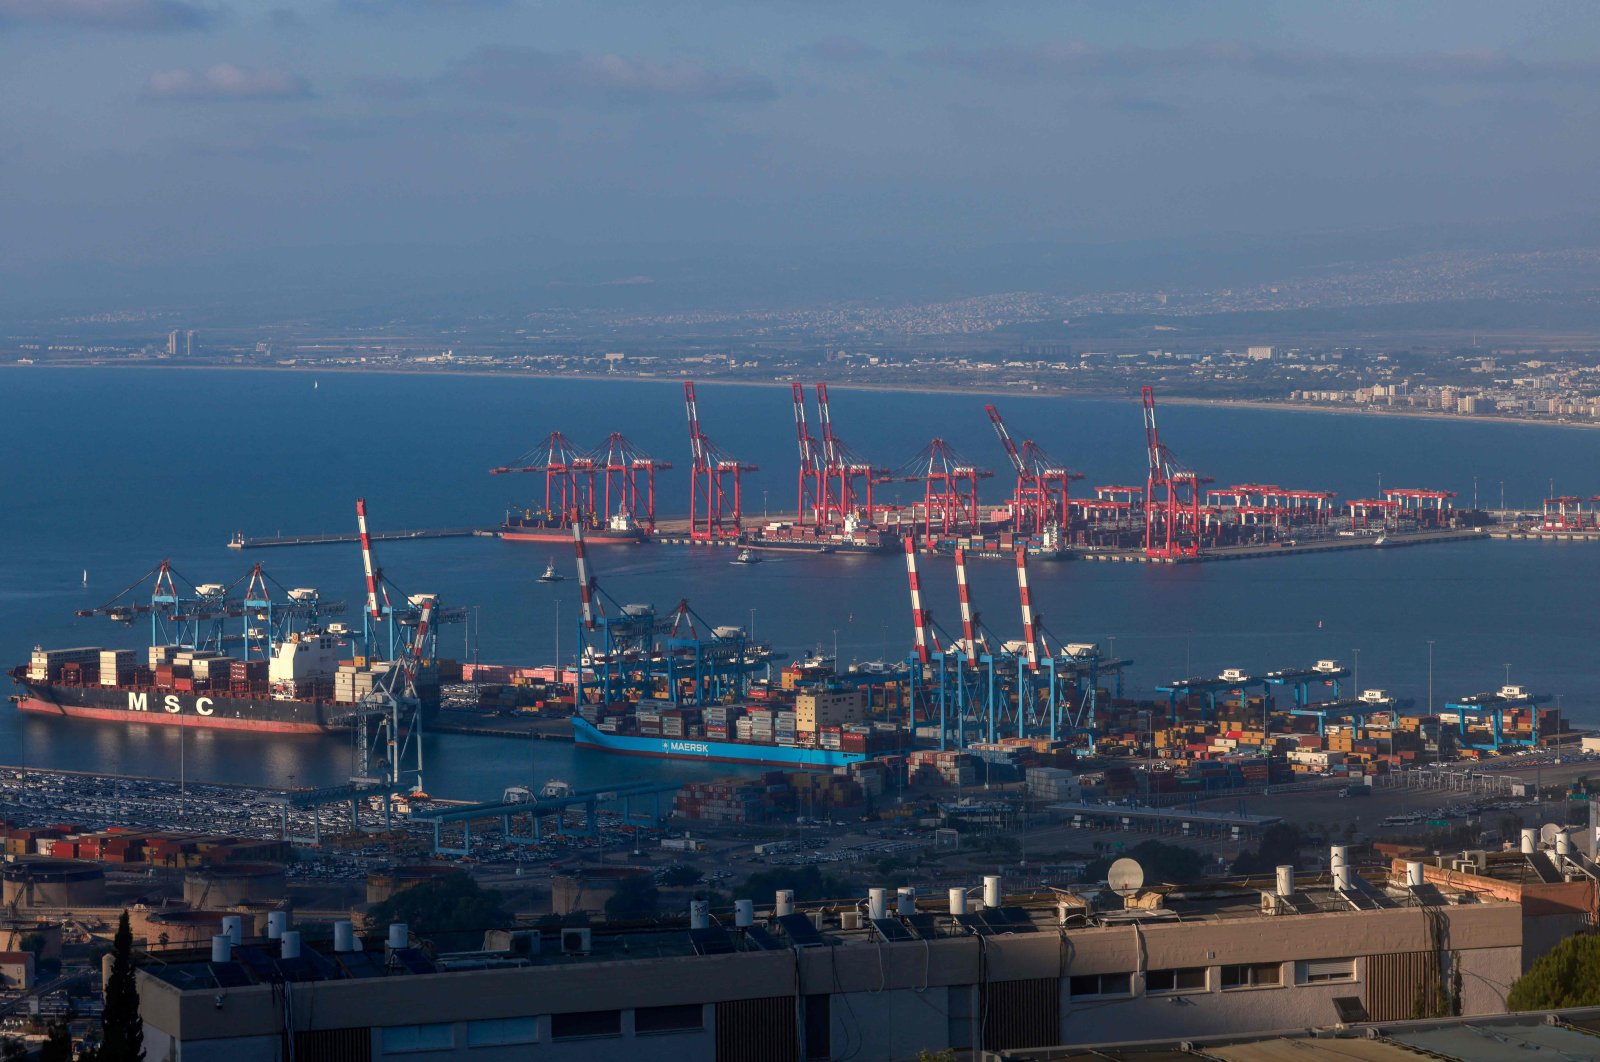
711, 750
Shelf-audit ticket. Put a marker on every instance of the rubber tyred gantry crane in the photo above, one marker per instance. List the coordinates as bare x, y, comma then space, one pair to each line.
715, 510
1171, 495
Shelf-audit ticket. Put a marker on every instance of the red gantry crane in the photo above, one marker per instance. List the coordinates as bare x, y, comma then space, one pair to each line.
810, 497
1042, 495
950, 489
569, 476
622, 466
715, 495
847, 478
1171, 495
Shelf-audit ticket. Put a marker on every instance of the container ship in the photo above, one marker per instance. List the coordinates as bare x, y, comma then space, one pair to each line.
820, 728
532, 525
308, 685
851, 537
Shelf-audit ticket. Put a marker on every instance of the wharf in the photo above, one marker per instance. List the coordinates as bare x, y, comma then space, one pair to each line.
1393, 540
241, 542
1551, 536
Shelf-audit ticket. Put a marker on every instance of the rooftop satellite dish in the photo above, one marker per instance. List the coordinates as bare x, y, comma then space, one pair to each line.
1125, 877
1549, 832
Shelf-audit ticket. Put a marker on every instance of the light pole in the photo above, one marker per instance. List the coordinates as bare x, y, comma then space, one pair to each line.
752, 625
836, 650
1508, 675
1430, 676
1355, 673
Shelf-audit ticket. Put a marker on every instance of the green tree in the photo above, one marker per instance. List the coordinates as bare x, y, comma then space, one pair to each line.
57, 1046
808, 882
453, 910
636, 898
1566, 976
681, 876
121, 1028
1162, 863
1279, 846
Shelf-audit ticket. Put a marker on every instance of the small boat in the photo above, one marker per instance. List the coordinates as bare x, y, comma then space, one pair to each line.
747, 556
86, 577
550, 574
1380, 540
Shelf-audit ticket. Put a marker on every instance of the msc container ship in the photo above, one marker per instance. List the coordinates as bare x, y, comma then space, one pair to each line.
304, 688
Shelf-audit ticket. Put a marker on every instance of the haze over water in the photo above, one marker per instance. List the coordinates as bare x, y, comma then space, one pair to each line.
111, 471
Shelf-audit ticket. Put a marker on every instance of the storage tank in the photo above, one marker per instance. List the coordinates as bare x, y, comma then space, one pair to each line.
41, 881
382, 884
233, 884
182, 928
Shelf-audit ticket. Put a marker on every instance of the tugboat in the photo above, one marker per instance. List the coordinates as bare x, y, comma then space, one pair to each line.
550, 574
747, 556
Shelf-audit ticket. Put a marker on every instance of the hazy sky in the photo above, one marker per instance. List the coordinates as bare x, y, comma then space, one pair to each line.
145, 132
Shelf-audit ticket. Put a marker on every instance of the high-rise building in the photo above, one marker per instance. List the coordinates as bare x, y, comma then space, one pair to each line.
174, 342
188, 343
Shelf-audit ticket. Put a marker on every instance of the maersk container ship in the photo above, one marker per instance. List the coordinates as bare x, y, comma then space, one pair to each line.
713, 750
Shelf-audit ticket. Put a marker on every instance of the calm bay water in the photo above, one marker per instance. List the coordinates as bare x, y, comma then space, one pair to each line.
112, 470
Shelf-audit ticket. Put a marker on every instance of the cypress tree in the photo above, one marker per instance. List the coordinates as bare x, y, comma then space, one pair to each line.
121, 1028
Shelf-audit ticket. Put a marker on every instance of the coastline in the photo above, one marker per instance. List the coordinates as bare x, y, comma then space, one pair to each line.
857, 385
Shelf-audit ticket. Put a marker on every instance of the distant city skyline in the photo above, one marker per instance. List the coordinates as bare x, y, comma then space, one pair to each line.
350, 149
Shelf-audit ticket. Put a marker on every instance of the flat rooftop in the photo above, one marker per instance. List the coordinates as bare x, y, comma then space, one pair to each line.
842, 923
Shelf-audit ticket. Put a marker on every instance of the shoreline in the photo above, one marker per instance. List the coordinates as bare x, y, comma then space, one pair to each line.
847, 385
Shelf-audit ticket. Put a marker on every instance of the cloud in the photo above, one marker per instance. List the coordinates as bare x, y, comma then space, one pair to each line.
842, 50
227, 82
528, 75
146, 15
398, 7
1065, 59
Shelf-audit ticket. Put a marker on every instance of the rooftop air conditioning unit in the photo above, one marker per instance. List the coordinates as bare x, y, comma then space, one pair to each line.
575, 942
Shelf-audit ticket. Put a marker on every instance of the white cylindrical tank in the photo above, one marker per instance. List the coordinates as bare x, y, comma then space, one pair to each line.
785, 903
905, 901
991, 890
1563, 843
221, 948
277, 922
699, 914
1414, 874
344, 936
1341, 877
1530, 840
1339, 855
399, 935
233, 926
958, 901
291, 943
744, 913
1286, 880
877, 903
